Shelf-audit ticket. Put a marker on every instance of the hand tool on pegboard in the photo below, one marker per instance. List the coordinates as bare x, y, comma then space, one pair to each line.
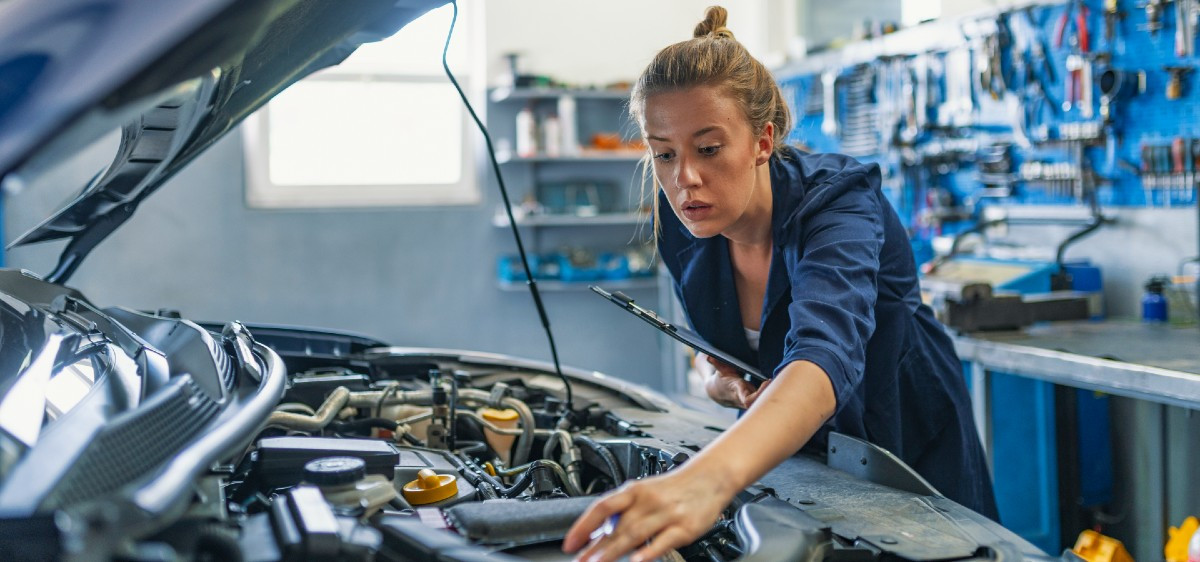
990, 61
1112, 16
829, 122
958, 110
1078, 66
1184, 40
1174, 89
1154, 13
908, 94
1193, 20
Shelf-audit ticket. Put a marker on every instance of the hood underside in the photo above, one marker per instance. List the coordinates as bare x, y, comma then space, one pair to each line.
173, 76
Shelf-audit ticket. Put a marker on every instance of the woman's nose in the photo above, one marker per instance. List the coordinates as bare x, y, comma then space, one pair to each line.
686, 175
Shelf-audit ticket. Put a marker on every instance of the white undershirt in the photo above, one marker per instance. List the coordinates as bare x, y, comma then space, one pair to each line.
752, 336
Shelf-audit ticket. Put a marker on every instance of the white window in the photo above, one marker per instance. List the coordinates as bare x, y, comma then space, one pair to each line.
383, 128
913, 12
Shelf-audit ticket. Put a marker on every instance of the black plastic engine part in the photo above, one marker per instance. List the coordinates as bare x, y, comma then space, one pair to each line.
307, 530
279, 461
407, 538
306, 526
515, 522
771, 529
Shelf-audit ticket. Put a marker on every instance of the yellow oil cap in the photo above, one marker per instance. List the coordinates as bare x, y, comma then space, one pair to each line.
430, 487
493, 415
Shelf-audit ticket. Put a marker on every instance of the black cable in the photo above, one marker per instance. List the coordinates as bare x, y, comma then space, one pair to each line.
512, 222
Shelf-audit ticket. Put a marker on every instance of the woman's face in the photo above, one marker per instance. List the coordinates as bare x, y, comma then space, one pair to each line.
706, 158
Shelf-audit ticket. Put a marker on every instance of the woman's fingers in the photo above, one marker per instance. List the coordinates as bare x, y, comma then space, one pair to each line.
755, 394
723, 367
602, 509
637, 526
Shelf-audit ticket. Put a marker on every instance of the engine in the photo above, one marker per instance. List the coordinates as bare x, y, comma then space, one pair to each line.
420, 455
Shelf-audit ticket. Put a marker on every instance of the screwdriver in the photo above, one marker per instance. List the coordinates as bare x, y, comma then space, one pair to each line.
1195, 154
1178, 148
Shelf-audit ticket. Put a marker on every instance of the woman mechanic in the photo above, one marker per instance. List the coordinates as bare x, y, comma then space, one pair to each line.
797, 263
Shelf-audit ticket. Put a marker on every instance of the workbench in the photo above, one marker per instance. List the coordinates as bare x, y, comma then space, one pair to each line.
1154, 362
1155, 365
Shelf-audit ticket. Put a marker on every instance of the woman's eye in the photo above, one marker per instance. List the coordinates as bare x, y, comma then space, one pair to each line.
709, 150
664, 156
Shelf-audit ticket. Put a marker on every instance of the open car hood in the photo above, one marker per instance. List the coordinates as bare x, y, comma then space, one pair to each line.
173, 76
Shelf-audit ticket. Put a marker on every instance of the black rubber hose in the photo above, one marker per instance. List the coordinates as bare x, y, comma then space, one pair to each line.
474, 448
1060, 255
606, 456
365, 424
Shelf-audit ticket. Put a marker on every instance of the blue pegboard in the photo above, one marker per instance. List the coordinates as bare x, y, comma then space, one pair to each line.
1147, 117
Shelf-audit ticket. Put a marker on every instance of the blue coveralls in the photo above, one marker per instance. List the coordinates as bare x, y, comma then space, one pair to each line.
843, 294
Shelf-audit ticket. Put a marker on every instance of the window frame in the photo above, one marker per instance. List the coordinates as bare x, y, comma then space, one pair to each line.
262, 193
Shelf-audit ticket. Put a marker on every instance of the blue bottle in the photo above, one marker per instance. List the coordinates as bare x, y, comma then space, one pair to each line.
1154, 304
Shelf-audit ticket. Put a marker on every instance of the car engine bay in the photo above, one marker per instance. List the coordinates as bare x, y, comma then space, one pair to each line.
194, 441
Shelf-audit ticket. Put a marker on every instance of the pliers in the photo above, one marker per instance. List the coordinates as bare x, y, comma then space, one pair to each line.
1073, 83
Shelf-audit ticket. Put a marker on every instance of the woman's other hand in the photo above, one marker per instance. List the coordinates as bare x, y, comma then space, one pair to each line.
667, 511
726, 387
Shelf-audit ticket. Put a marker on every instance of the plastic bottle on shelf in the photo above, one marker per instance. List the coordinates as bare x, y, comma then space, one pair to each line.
552, 133
570, 132
526, 133
1154, 304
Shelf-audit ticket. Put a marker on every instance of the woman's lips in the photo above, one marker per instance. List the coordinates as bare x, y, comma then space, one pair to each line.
695, 210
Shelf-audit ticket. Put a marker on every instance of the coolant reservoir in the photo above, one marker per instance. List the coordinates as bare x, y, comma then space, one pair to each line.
345, 484
399, 412
507, 419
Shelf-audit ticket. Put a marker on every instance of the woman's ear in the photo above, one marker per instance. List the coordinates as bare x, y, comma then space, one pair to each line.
765, 144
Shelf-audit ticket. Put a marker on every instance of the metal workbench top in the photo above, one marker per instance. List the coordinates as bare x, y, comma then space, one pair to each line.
1153, 362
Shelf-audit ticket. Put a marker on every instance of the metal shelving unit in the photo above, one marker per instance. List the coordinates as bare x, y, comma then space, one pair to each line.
609, 172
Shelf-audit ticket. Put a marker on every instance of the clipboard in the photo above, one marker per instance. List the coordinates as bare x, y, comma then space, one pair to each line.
685, 336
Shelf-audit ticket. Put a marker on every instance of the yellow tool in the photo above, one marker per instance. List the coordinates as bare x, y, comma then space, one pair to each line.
430, 487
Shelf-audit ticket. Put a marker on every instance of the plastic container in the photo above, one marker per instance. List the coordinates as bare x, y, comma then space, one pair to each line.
506, 419
526, 133
370, 494
1154, 303
570, 133
552, 133
346, 486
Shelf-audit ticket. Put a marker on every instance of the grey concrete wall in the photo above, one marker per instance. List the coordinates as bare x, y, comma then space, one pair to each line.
410, 276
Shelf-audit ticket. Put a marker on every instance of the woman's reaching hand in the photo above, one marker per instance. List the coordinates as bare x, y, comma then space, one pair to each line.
655, 515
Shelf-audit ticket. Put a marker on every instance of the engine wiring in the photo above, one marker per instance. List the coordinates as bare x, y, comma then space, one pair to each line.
512, 222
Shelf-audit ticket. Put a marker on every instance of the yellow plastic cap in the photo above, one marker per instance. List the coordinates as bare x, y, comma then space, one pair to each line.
493, 415
430, 487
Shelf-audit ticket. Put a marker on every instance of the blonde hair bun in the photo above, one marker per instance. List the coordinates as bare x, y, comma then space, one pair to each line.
715, 18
